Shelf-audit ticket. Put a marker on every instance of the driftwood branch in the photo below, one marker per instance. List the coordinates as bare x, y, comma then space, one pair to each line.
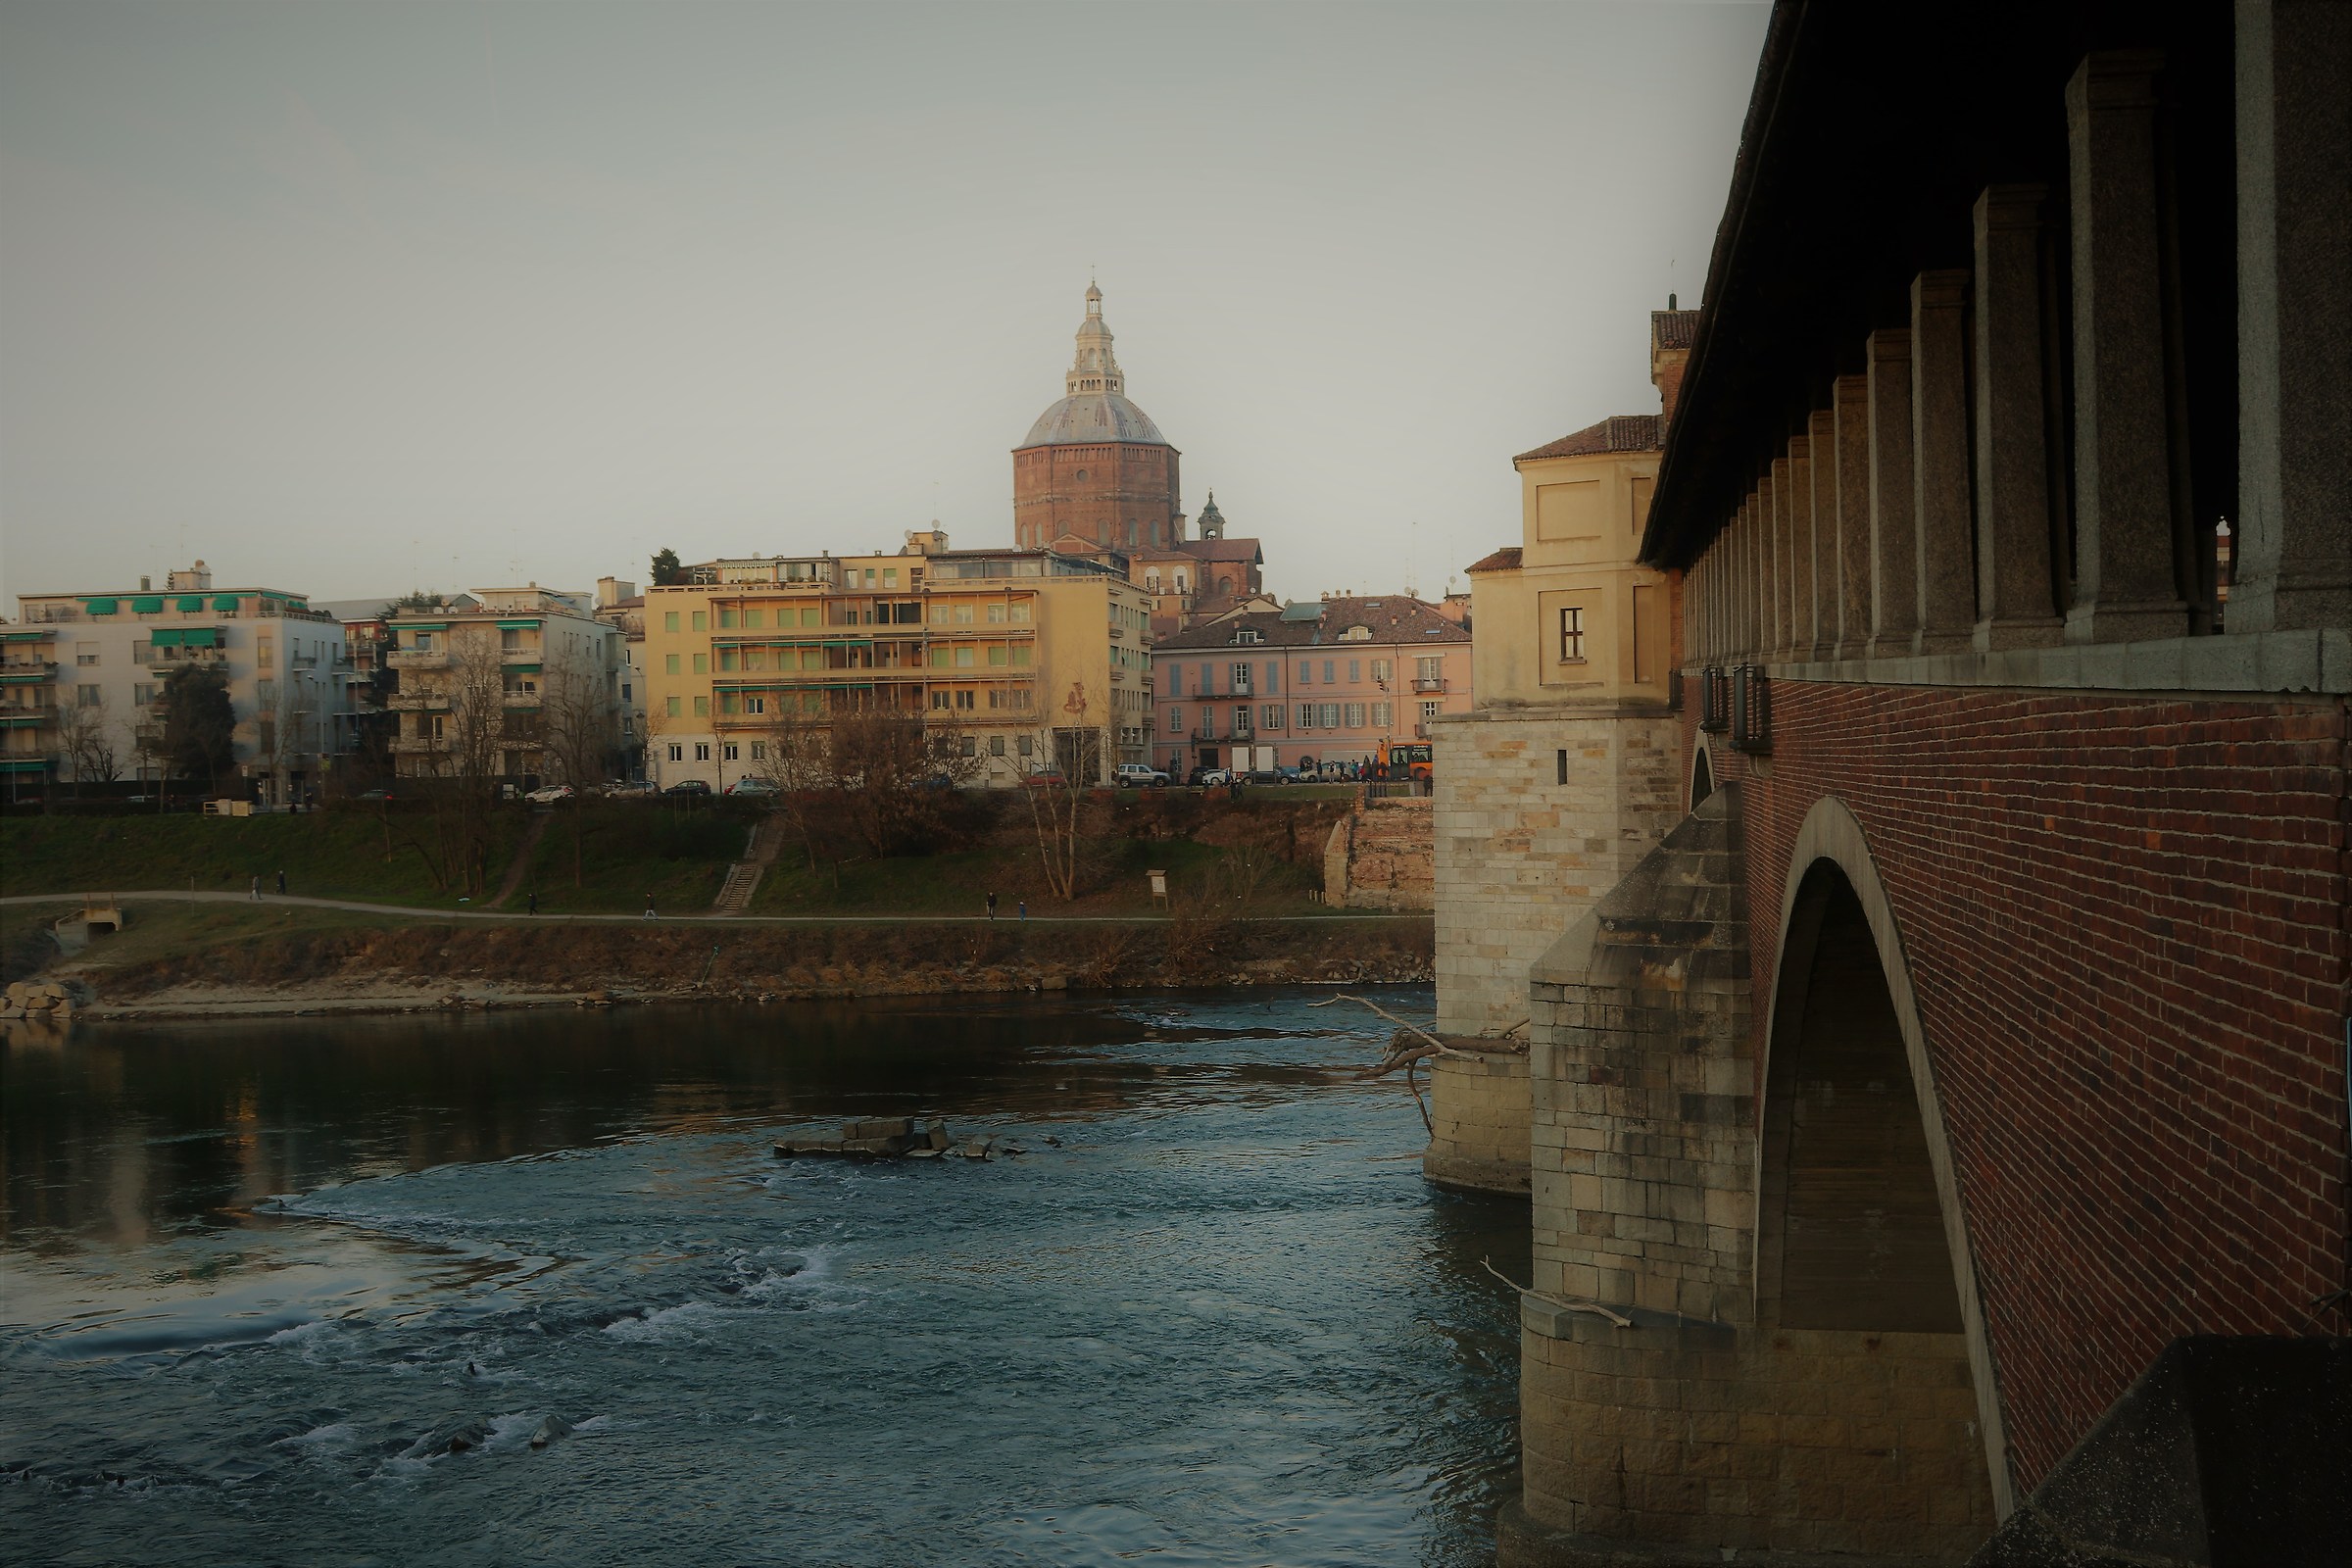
1594, 1308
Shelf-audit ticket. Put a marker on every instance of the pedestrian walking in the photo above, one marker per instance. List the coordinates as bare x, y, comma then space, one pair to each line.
256, 887
1024, 908
535, 909
649, 905
281, 884
992, 905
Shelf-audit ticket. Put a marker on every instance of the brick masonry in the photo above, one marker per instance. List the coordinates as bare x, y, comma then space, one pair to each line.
2124, 921
1378, 857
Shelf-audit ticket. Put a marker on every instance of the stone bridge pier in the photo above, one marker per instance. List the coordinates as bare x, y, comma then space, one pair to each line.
1745, 1334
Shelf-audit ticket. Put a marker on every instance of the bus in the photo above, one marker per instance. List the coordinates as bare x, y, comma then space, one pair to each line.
1404, 759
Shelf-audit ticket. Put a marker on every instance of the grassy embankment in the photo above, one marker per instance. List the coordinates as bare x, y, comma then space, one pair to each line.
1260, 855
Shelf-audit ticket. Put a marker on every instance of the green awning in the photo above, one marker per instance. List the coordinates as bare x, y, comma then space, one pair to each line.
24, 764
191, 603
99, 607
523, 669
423, 625
228, 602
147, 603
518, 626
28, 636
200, 637
168, 638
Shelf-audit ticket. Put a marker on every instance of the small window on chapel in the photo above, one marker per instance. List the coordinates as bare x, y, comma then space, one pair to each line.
1572, 635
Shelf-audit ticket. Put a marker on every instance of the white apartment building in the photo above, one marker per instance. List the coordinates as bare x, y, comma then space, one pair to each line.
519, 684
82, 680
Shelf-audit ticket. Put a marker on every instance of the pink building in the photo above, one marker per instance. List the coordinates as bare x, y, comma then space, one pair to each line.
1320, 681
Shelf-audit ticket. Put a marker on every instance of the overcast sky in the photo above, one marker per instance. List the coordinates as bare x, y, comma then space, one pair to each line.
349, 299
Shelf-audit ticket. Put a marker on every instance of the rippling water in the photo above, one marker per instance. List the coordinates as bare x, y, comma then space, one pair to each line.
255, 1276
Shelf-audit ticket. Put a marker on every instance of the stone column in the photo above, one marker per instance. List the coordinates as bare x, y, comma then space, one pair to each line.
1748, 567
2015, 599
1783, 633
2294, 317
2125, 578
1821, 446
1893, 515
1800, 556
1945, 540
1850, 500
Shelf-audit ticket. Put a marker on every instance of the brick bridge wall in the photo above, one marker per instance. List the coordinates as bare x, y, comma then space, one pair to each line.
1379, 855
2126, 926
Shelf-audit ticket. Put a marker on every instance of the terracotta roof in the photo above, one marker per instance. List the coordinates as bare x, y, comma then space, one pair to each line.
1504, 560
1223, 550
1620, 432
1392, 619
1673, 329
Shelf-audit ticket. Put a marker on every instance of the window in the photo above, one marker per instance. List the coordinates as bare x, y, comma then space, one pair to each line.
677, 753
1307, 671
729, 658
1356, 634
729, 751
1356, 670
1248, 634
702, 751
669, 663
754, 703
1380, 674
966, 700
265, 692
996, 745
1381, 714
1020, 655
702, 663
669, 623
966, 657
265, 651
1355, 716
702, 620
1273, 675
87, 697
1209, 679
1020, 613
1572, 635
1328, 669
85, 653
1432, 667
1241, 719
702, 707
996, 654
1270, 716
890, 576
997, 612
754, 618
1175, 721
971, 745
142, 694
759, 751
673, 709
509, 640
1327, 715
1307, 715
625, 695
1430, 710
1240, 679
964, 614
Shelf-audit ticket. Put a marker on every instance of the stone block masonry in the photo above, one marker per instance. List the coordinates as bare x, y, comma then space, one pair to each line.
1538, 812
1378, 857
1479, 1108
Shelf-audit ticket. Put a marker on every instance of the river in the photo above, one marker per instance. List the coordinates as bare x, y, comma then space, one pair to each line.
1212, 1315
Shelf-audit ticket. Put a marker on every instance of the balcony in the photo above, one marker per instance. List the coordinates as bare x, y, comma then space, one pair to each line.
417, 659
1427, 683
28, 669
520, 656
1204, 732
415, 702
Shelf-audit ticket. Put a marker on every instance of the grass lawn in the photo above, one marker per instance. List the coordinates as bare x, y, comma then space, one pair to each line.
960, 882
629, 848
327, 855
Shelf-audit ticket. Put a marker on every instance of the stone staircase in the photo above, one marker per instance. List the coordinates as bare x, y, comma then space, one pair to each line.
743, 878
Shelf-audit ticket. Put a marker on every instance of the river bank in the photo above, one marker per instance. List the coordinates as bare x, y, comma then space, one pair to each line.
257, 960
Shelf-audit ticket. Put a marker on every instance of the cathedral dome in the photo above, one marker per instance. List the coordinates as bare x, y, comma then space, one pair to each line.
1093, 416
1095, 407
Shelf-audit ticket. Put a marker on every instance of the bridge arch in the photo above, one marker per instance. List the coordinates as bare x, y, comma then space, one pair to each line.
1703, 776
1859, 1220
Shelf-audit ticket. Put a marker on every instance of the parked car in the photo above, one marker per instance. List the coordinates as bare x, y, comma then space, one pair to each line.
548, 794
1210, 777
749, 787
1044, 779
1267, 775
623, 787
1139, 775
688, 786
375, 794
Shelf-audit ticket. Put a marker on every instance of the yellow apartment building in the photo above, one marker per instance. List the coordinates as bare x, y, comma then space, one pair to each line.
1018, 657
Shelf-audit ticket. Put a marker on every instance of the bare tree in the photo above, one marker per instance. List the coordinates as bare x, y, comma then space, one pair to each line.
85, 737
463, 767
578, 728
1072, 750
